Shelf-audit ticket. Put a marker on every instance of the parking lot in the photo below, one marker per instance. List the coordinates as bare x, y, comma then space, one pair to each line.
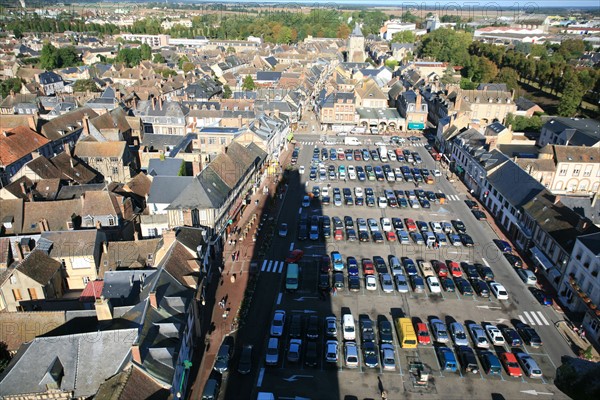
438, 203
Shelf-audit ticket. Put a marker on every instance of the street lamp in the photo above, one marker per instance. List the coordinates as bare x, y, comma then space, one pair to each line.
186, 366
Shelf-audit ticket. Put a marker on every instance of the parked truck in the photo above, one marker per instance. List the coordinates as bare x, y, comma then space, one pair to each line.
352, 141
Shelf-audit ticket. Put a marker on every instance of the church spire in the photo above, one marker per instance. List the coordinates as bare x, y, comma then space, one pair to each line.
356, 31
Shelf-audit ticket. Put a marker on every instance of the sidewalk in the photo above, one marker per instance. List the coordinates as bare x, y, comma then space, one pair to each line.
234, 279
577, 343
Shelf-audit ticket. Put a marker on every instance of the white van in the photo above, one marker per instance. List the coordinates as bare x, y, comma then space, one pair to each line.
352, 141
348, 327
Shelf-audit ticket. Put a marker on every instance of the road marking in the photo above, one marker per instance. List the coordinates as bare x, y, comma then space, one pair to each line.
280, 269
543, 318
261, 375
279, 298
485, 262
536, 393
300, 209
291, 246
269, 266
263, 266
537, 320
528, 318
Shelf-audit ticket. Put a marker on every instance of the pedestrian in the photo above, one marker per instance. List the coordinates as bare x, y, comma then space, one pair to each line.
582, 335
334, 291
232, 256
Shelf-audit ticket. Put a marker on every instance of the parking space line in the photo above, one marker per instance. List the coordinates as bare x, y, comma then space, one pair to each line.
263, 266
300, 211
261, 375
269, 266
280, 269
485, 262
291, 246
279, 298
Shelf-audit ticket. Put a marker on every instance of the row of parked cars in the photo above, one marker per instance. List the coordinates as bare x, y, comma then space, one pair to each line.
385, 172
381, 153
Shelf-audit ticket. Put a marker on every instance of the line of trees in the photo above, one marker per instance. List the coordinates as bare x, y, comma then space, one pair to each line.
52, 57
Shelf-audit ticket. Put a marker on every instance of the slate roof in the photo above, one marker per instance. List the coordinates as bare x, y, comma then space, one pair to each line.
124, 288
356, 31
39, 266
592, 242
516, 185
165, 167
524, 104
74, 355
493, 86
18, 143
190, 237
68, 123
49, 77
267, 76
206, 190
583, 206
131, 254
580, 132
182, 265
165, 189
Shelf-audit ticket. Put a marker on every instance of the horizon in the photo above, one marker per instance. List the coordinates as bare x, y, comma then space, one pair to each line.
525, 5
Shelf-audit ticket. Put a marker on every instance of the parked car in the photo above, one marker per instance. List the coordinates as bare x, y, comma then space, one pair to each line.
423, 336
278, 323
438, 329
542, 297
529, 335
351, 354
331, 352
498, 290
459, 336
510, 364
511, 337
495, 335
478, 336
223, 357
467, 358
272, 353
245, 363
528, 364
385, 330
388, 357
513, 260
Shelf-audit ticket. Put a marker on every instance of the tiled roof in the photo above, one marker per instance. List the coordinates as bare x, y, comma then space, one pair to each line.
39, 266
56, 213
68, 123
100, 149
100, 202
576, 154
31, 325
72, 243
132, 384
18, 143
92, 291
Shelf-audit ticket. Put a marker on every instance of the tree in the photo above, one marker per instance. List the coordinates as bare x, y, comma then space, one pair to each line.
231, 50
159, 59
248, 83
145, 52
4, 356
571, 98
10, 85
343, 31
187, 67
391, 64
181, 61
509, 76
403, 37
48, 57
83, 85
17, 33
446, 45
226, 92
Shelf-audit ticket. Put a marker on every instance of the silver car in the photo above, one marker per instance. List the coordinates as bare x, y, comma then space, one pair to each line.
294, 350
388, 357
278, 323
439, 330
478, 335
401, 283
387, 285
272, 355
331, 355
457, 331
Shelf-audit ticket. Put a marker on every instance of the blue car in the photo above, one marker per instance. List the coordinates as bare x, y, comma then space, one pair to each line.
409, 266
352, 266
338, 263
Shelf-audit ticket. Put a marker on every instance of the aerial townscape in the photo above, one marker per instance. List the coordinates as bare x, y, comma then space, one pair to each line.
327, 201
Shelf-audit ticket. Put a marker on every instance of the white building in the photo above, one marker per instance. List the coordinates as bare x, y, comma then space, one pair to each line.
393, 26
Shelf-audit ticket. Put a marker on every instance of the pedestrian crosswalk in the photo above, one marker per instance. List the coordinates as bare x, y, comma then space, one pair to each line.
307, 143
272, 266
452, 197
533, 318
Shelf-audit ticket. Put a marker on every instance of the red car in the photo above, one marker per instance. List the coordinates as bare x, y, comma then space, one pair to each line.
440, 268
368, 268
391, 236
338, 234
454, 269
422, 333
410, 224
510, 364
294, 256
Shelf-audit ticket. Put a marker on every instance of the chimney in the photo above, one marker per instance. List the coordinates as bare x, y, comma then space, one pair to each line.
44, 225
105, 247
418, 103
23, 188
31, 122
160, 103
154, 103
152, 298
136, 236
168, 238
86, 124
103, 309
68, 150
582, 224
136, 354
556, 199
196, 165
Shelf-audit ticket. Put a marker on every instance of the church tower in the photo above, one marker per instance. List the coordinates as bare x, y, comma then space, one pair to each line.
356, 46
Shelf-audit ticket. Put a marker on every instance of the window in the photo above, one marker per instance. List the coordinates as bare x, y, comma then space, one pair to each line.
111, 221
588, 170
563, 171
212, 140
98, 159
13, 280
17, 295
86, 279
114, 159
32, 294
576, 169
202, 141
223, 140
115, 171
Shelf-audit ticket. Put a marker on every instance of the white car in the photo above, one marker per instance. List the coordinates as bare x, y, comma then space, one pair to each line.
386, 224
436, 227
325, 191
382, 202
294, 350
436, 172
370, 282
351, 354
495, 335
498, 290
351, 172
359, 192
278, 323
301, 170
391, 155
434, 284
398, 173
283, 230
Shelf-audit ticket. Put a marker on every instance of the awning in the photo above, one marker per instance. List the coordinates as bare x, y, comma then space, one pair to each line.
540, 259
416, 125
459, 169
553, 274
290, 136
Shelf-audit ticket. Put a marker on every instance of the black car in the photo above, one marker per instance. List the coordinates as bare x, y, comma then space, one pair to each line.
296, 326
485, 272
385, 331
326, 200
466, 240
471, 204
303, 232
448, 284
363, 236
512, 337
351, 234
480, 215
380, 266
348, 222
529, 335
464, 287
367, 331
458, 225
377, 237
311, 355
312, 327
503, 245
470, 271
482, 288
354, 283
245, 363
359, 201
324, 282
370, 201
513, 260
467, 358
542, 297
370, 354
338, 281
